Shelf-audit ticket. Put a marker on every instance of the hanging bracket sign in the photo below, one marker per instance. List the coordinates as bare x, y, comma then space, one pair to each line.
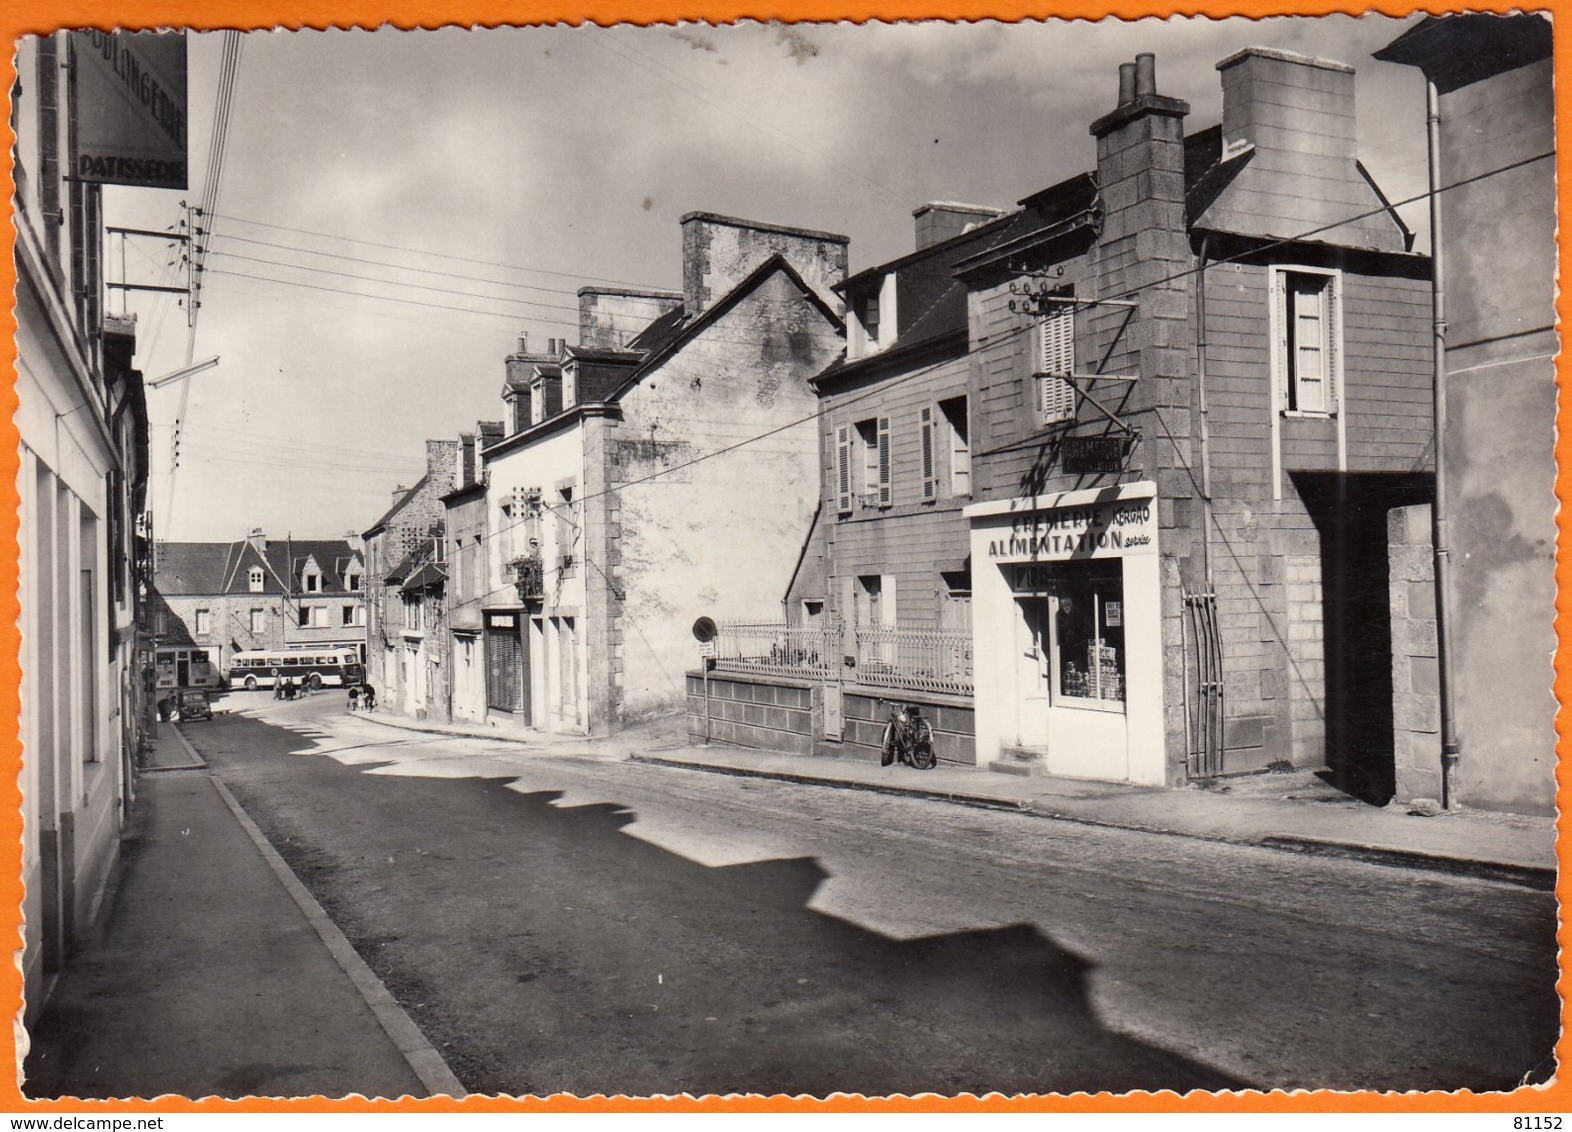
129, 108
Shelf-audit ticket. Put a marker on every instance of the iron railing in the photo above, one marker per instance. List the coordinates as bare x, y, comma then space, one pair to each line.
775, 648
933, 660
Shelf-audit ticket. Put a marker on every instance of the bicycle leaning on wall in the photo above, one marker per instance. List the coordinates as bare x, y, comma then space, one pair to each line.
908, 737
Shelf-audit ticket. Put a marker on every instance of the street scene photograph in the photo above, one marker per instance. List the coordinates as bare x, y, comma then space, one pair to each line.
787, 559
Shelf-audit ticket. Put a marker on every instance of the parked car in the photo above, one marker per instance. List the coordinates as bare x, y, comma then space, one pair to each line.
188, 704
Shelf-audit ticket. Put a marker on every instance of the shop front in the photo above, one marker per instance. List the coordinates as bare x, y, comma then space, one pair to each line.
1068, 633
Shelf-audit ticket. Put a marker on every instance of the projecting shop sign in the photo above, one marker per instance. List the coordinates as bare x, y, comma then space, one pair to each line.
130, 104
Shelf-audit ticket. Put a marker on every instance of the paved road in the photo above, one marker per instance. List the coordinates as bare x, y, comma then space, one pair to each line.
564, 922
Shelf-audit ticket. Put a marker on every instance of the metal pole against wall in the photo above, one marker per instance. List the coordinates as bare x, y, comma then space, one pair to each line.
1451, 742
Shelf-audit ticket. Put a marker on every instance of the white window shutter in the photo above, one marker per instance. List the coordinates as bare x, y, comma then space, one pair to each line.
843, 501
1055, 399
930, 478
1334, 343
1055, 339
885, 488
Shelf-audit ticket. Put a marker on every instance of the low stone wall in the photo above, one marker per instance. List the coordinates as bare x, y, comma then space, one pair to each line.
775, 713
769, 712
952, 718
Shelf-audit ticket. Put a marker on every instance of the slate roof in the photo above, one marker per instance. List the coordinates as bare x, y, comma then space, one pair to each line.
387, 516
189, 568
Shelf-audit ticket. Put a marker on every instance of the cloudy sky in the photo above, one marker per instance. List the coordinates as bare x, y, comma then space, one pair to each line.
397, 207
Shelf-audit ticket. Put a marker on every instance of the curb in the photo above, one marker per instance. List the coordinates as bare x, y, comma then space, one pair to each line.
1528, 876
426, 1063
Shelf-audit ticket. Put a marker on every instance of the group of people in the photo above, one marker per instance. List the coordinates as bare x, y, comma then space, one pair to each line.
287, 688
363, 698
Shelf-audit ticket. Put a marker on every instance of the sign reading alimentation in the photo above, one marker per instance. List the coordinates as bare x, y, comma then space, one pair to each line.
130, 108
1094, 530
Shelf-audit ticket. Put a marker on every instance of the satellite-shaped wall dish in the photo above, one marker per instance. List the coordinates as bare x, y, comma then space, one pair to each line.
704, 630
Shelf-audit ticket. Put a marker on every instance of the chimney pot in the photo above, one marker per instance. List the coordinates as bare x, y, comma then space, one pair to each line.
1126, 83
524, 343
1145, 74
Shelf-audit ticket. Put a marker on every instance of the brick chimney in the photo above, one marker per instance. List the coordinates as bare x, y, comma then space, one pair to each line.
610, 317
938, 221
718, 252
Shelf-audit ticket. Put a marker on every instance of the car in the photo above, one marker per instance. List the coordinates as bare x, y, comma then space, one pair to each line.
188, 704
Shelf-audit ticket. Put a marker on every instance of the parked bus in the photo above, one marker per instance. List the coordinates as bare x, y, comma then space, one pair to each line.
316, 668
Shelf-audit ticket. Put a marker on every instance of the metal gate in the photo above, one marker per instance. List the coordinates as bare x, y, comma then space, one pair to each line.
504, 669
1203, 653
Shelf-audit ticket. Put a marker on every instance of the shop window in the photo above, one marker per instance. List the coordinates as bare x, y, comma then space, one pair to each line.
1305, 307
1075, 611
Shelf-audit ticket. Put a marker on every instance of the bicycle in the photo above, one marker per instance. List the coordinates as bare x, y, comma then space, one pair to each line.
908, 737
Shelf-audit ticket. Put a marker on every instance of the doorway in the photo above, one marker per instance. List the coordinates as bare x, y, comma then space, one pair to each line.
1350, 513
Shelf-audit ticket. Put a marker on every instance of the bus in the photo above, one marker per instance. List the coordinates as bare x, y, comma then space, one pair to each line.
316, 668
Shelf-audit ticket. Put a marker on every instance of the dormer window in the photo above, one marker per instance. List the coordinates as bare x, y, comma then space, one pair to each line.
254, 579
870, 319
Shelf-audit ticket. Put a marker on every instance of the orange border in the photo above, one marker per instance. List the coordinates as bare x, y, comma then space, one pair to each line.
22, 17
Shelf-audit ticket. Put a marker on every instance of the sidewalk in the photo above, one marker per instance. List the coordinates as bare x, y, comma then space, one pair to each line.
213, 972
1290, 811
1296, 812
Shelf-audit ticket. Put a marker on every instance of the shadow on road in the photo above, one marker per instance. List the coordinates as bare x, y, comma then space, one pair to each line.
542, 949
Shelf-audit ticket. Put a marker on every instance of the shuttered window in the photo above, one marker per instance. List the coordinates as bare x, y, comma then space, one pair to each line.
1055, 342
843, 470
504, 670
930, 472
1304, 308
1055, 399
886, 488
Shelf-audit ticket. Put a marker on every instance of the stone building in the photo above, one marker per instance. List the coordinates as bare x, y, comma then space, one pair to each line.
211, 600
412, 523
1195, 389
81, 416
624, 509
1492, 81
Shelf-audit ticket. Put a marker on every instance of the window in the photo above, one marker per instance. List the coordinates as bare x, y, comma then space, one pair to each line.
313, 616
360, 615
258, 621
204, 622
413, 615
1075, 614
873, 442
354, 583
313, 582
567, 532
945, 452
348, 614
1053, 361
254, 579
1305, 307
869, 314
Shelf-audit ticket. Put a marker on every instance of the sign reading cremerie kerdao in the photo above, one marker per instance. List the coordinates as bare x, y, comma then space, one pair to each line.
130, 108
1097, 530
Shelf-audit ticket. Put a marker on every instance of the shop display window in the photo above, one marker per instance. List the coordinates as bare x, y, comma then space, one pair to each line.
1086, 648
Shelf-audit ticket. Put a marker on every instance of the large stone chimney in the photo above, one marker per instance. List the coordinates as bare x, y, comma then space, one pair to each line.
441, 461
718, 252
611, 317
1290, 119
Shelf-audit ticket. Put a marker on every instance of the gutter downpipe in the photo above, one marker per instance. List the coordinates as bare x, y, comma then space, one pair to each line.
1451, 742
1206, 449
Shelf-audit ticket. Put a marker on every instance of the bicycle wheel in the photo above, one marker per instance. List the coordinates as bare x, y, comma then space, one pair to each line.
920, 746
888, 751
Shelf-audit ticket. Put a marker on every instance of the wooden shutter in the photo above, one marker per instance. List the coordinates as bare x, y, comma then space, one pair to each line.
930, 477
885, 490
843, 501
1307, 298
1055, 336
1281, 361
960, 456
1334, 369
1055, 399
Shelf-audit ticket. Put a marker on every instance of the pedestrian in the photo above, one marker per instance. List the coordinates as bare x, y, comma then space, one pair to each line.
278, 685
368, 696
354, 695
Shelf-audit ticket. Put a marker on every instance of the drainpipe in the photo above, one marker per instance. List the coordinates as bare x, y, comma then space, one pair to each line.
1206, 449
1451, 743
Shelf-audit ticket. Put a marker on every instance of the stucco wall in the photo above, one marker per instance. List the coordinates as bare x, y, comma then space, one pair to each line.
719, 537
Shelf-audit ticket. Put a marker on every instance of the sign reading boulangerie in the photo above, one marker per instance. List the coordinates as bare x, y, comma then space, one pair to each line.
130, 124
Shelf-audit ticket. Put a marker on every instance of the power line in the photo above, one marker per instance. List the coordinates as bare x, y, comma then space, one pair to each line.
441, 255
